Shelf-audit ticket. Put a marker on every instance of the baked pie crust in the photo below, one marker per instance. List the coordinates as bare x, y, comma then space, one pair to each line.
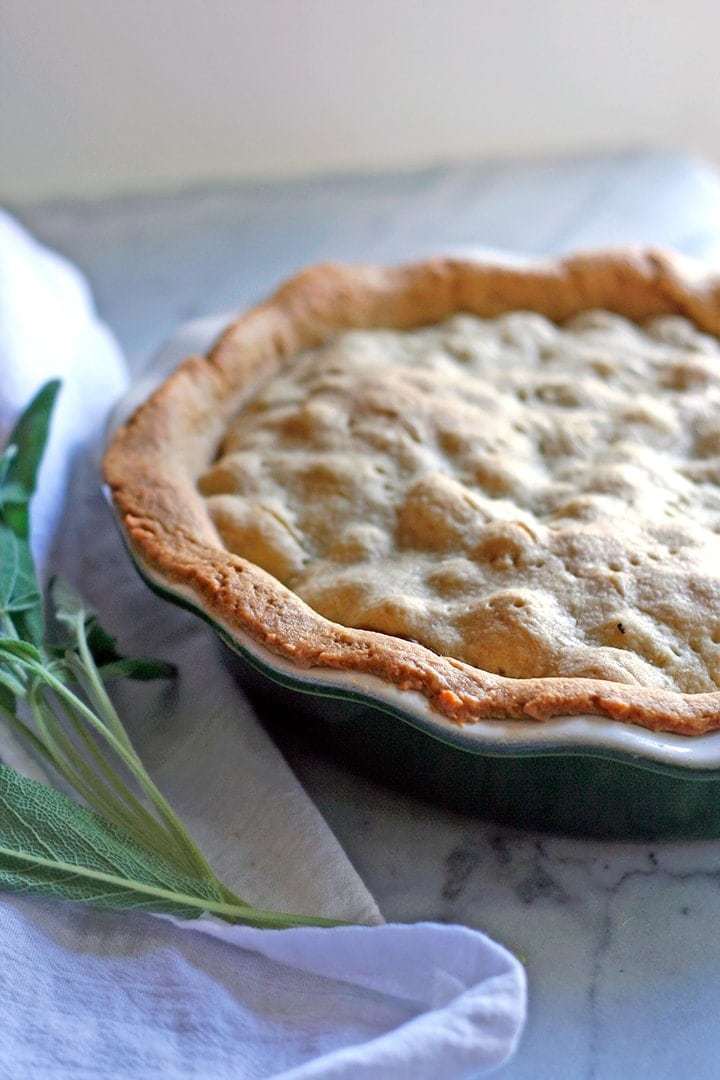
553, 497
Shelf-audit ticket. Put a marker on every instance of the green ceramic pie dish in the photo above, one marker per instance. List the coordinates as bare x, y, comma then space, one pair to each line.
582, 775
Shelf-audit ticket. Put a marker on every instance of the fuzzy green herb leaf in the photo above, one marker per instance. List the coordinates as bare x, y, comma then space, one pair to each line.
27, 440
140, 668
21, 607
18, 586
70, 610
52, 846
20, 650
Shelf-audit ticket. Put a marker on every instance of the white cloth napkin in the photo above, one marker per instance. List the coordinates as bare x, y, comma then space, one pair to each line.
129, 995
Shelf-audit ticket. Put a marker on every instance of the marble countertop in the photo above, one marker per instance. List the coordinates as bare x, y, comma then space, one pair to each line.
621, 941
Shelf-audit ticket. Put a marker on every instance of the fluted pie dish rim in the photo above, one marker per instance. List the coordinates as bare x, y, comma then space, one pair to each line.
153, 461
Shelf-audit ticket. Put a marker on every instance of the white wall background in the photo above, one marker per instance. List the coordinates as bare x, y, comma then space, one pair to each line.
106, 95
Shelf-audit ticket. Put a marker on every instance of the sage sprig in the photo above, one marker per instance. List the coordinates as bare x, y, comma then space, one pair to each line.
124, 846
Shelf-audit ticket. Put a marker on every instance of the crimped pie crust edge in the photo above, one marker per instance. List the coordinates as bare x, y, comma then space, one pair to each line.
154, 460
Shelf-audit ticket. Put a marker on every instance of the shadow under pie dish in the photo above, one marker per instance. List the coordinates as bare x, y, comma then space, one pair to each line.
478, 502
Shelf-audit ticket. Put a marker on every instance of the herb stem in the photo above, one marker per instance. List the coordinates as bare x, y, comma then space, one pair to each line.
102, 698
243, 913
81, 776
146, 823
72, 725
186, 848
62, 753
27, 733
129, 813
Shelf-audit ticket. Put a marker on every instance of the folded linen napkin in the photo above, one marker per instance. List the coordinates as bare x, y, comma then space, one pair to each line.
113, 995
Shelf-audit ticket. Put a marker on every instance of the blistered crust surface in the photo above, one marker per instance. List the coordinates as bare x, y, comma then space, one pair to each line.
155, 461
533, 499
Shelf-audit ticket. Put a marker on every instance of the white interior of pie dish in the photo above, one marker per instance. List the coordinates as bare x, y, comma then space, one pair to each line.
568, 734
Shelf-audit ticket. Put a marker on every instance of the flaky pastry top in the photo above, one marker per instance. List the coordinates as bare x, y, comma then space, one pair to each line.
535, 500
494, 485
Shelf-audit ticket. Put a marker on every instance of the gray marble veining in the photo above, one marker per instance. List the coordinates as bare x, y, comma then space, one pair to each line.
620, 940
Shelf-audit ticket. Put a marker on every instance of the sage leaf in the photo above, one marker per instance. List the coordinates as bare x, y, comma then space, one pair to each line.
68, 604
52, 846
141, 668
23, 650
5, 458
18, 585
28, 438
20, 597
69, 609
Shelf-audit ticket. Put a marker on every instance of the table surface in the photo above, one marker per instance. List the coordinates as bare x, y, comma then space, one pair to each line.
620, 941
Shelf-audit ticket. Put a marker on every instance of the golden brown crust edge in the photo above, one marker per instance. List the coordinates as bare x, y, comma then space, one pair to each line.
154, 460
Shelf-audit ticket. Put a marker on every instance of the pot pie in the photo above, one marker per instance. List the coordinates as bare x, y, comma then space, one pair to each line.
494, 485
